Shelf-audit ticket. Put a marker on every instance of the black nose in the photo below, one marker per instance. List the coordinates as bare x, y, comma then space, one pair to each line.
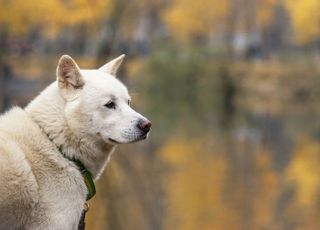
144, 125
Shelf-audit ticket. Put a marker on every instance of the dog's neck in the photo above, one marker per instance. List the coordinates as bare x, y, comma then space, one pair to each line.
47, 110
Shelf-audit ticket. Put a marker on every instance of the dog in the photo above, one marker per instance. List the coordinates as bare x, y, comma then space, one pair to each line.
61, 138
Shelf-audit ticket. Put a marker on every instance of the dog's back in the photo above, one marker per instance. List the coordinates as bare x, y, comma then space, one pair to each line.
31, 177
18, 185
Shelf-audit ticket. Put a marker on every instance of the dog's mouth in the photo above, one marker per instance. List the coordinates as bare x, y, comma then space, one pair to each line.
113, 141
139, 138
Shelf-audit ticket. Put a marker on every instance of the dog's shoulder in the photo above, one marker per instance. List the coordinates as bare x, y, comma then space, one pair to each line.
16, 133
19, 188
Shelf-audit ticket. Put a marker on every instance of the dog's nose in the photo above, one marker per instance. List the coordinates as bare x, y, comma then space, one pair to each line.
144, 125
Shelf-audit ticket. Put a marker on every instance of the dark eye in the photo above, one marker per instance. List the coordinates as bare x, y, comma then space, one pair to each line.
129, 102
110, 105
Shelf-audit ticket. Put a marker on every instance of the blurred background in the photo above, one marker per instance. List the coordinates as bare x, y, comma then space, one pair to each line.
232, 88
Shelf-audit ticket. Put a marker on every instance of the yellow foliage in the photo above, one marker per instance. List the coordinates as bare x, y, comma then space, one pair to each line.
19, 16
187, 18
305, 19
304, 171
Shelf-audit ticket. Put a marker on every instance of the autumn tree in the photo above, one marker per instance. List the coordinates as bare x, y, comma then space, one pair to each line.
20, 16
130, 27
189, 19
305, 19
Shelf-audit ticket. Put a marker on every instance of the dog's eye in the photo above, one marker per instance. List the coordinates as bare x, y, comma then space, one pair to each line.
110, 105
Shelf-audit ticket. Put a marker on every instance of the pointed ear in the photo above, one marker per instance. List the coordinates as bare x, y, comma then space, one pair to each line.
112, 66
68, 73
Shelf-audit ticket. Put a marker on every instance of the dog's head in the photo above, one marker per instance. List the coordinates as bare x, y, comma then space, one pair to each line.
98, 104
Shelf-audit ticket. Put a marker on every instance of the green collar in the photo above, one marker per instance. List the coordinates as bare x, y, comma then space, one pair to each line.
87, 177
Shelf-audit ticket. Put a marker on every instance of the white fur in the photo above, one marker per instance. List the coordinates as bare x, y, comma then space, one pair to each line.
39, 188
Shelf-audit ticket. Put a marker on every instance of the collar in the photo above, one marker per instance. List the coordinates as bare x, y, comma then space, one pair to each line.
87, 176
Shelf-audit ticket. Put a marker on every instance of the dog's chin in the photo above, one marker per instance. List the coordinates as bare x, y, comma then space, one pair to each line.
139, 138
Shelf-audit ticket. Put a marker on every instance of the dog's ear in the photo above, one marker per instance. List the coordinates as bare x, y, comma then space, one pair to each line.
112, 66
68, 73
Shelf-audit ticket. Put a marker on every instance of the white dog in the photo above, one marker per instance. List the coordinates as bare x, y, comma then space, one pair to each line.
50, 150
